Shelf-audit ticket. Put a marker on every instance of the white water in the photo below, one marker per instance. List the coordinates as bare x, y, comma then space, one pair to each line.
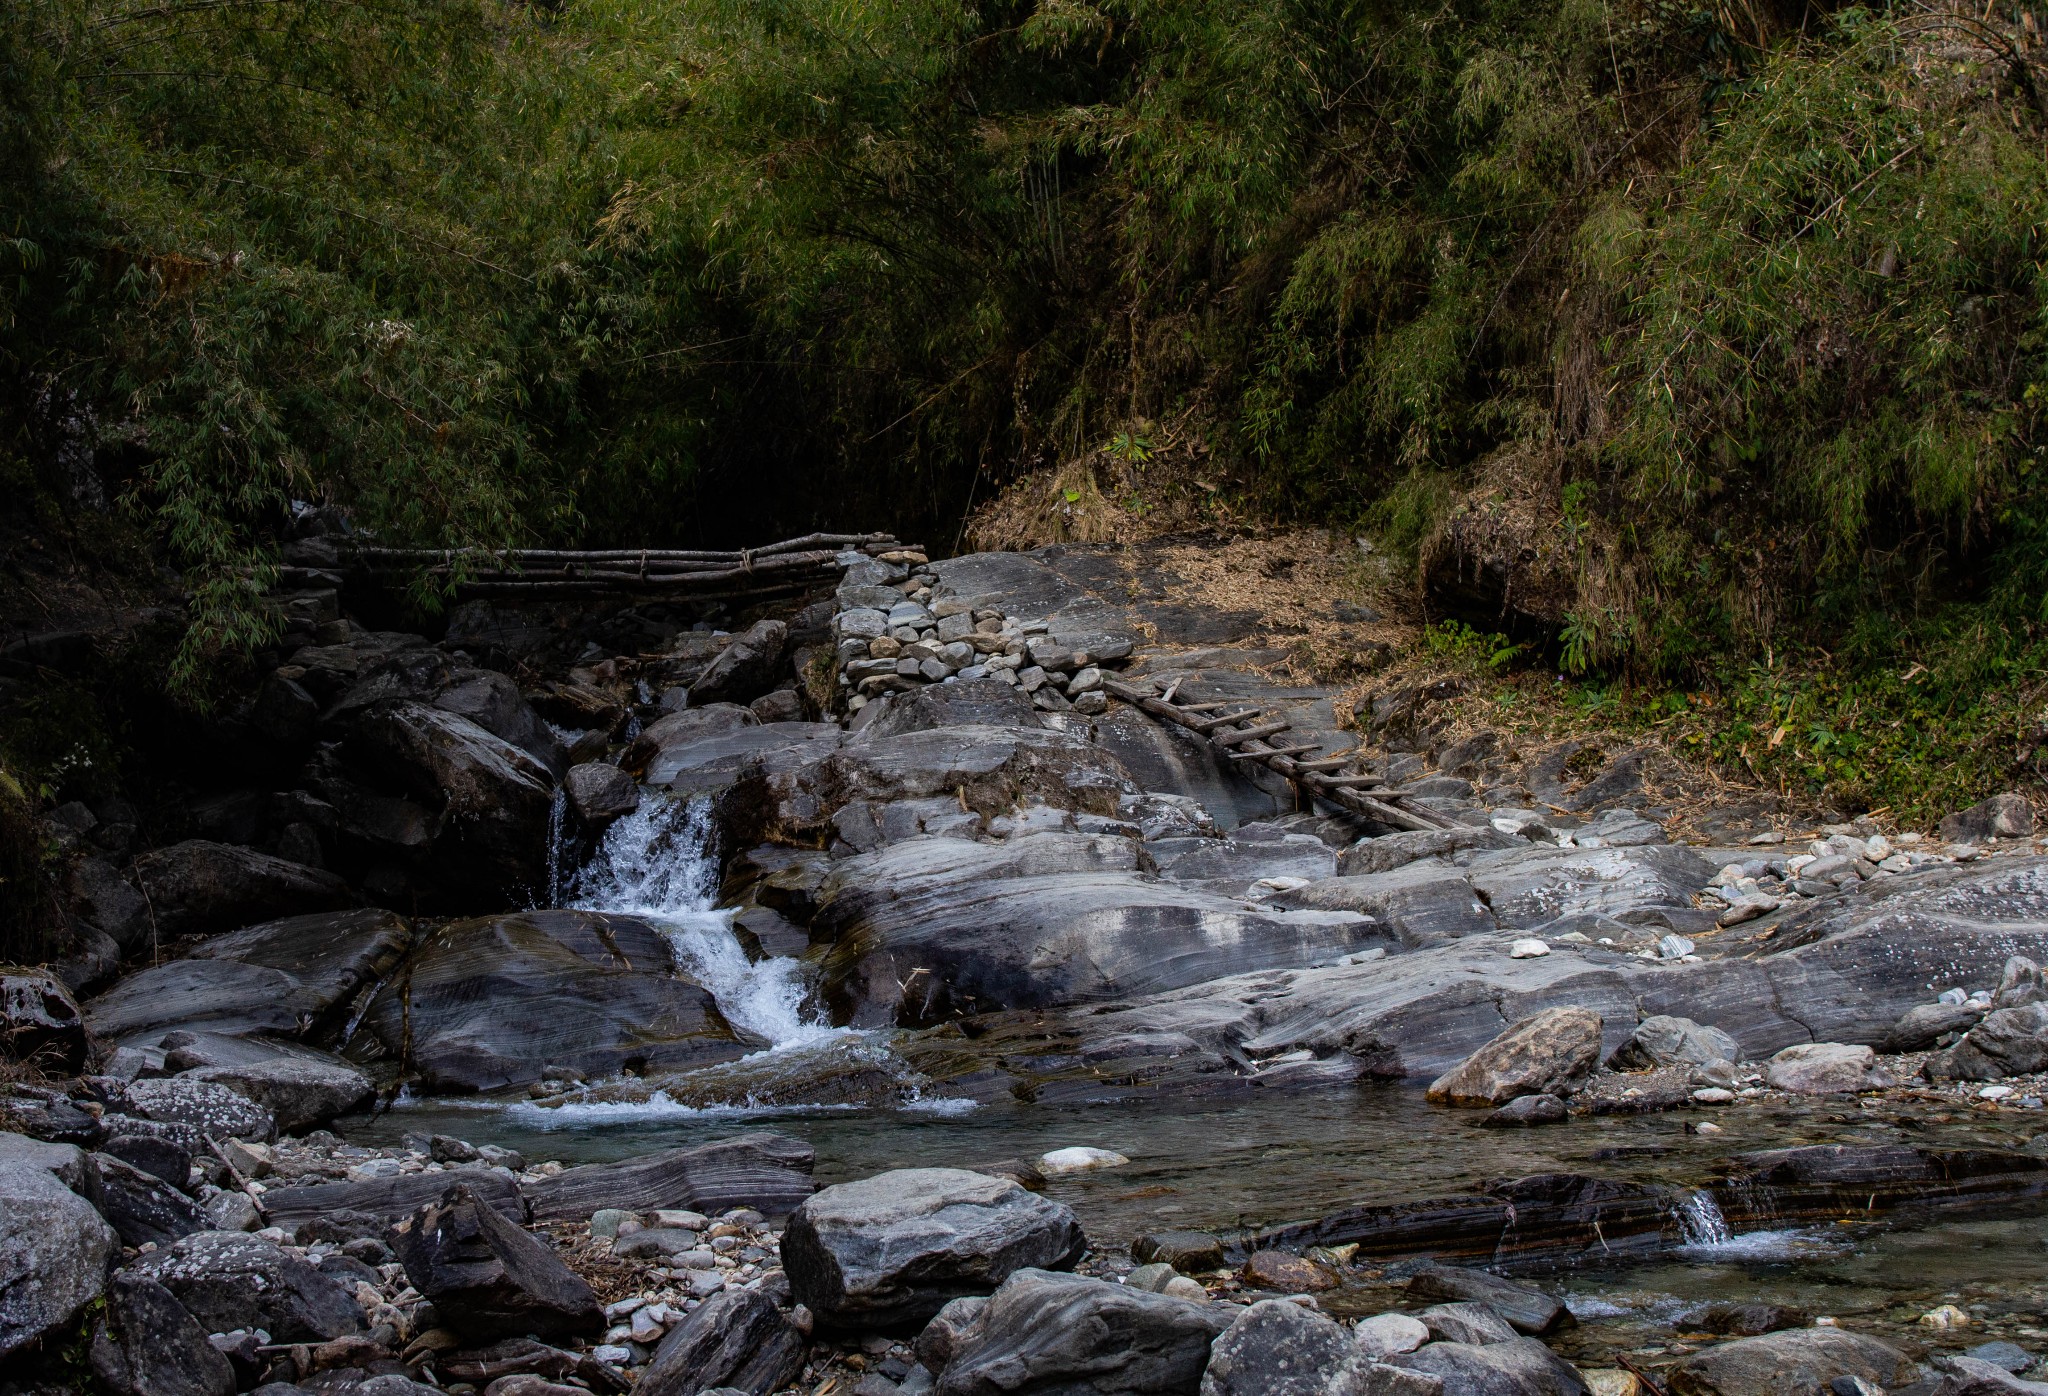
657, 864
1700, 1222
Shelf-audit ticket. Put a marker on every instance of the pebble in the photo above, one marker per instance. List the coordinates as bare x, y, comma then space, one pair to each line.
1995, 1092
1713, 1095
1944, 1318
1079, 1158
1708, 1127
1528, 948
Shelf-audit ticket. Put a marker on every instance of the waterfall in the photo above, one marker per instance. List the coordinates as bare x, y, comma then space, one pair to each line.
1700, 1222
659, 864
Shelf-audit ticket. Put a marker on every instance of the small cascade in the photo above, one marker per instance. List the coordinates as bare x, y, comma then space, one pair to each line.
659, 864
1700, 1222
558, 829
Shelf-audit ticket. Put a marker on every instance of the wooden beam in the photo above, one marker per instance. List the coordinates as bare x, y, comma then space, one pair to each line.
1210, 724
1265, 753
1249, 734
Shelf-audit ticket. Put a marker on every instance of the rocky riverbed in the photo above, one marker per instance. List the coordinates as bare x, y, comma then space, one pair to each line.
814, 884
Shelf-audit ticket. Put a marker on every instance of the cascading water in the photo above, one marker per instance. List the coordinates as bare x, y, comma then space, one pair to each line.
1700, 1222
657, 864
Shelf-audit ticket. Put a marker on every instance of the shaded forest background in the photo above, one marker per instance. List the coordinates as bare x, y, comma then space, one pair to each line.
1724, 321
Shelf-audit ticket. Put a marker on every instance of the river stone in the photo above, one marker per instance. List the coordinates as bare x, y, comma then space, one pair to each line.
1288, 1273
1189, 1252
378, 1202
1547, 1052
199, 886
1799, 1362
1388, 1335
1928, 1023
1278, 1348
1667, 1041
769, 1172
487, 1277
1527, 1111
1053, 1333
1474, 1324
737, 1339
215, 1110
488, 1002
142, 1208
1518, 1367
1391, 851
1825, 1068
750, 665
1424, 903
1525, 1308
600, 793
2021, 984
54, 1253
40, 1022
2007, 816
2008, 1042
1969, 1375
229, 1280
147, 1344
300, 1087
895, 1248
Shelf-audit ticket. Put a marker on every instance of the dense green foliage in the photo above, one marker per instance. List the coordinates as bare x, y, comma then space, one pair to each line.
1746, 300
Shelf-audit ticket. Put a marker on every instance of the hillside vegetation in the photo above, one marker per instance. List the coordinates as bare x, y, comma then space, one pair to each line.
1723, 324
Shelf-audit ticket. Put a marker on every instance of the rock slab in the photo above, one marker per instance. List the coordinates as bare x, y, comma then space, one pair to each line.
737, 1339
1044, 1332
488, 1278
54, 1251
1546, 1053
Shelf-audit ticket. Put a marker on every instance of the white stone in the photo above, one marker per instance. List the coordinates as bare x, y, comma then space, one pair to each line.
1528, 948
1713, 1095
1389, 1335
1995, 1092
1079, 1158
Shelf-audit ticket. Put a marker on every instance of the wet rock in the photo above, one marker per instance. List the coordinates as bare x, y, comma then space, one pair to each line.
1278, 1348
1547, 1052
147, 1344
2007, 816
1045, 1332
40, 1023
1802, 1362
1525, 1308
768, 1172
1924, 1026
199, 886
1388, 1335
1519, 1367
1189, 1252
375, 1203
1825, 1068
895, 1248
489, 1001
487, 1277
1752, 1320
54, 1253
1524, 1112
747, 667
143, 1208
214, 1110
1668, 1041
1288, 1273
737, 1339
228, 1280
600, 793
2008, 1042
1474, 1324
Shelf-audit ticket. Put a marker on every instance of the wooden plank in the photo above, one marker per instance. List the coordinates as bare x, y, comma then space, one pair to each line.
1357, 782
1250, 734
1210, 724
1267, 753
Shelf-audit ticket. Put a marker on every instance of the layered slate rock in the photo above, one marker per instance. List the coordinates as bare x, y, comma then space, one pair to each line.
390, 1199
227, 1280
147, 1344
200, 886
1799, 1362
768, 1172
1520, 1367
486, 1003
330, 959
1546, 1053
1278, 1348
1526, 1309
747, 667
737, 1339
489, 1278
1052, 1332
895, 1248
54, 1253
1668, 1041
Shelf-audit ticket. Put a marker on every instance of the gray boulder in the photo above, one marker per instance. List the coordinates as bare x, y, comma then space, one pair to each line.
1051, 1333
600, 793
735, 1340
1547, 1053
228, 1280
389, 1200
300, 1087
40, 1022
2008, 1042
493, 702
199, 886
1474, 1324
747, 667
1923, 1026
71, 1165
147, 1344
895, 1248
1391, 851
2020, 984
214, 1110
104, 898
54, 1253
2007, 816
1523, 1307
1825, 1068
142, 1207
204, 995
1797, 1362
1518, 1367
489, 1278
1278, 1348
1668, 1041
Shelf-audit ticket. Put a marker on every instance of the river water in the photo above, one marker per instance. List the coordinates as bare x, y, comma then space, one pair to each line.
1229, 1167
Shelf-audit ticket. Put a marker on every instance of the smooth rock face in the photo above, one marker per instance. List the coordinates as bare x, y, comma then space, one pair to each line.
488, 1002
1474, 1324
1799, 1362
1048, 1333
737, 1339
1519, 1367
228, 1280
746, 668
1524, 1308
1825, 1068
389, 1199
147, 1344
489, 1278
768, 1172
895, 1248
2007, 816
200, 886
300, 1091
207, 1106
40, 1022
1386, 1335
54, 1253
2008, 1042
1278, 1348
1668, 1041
1546, 1053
